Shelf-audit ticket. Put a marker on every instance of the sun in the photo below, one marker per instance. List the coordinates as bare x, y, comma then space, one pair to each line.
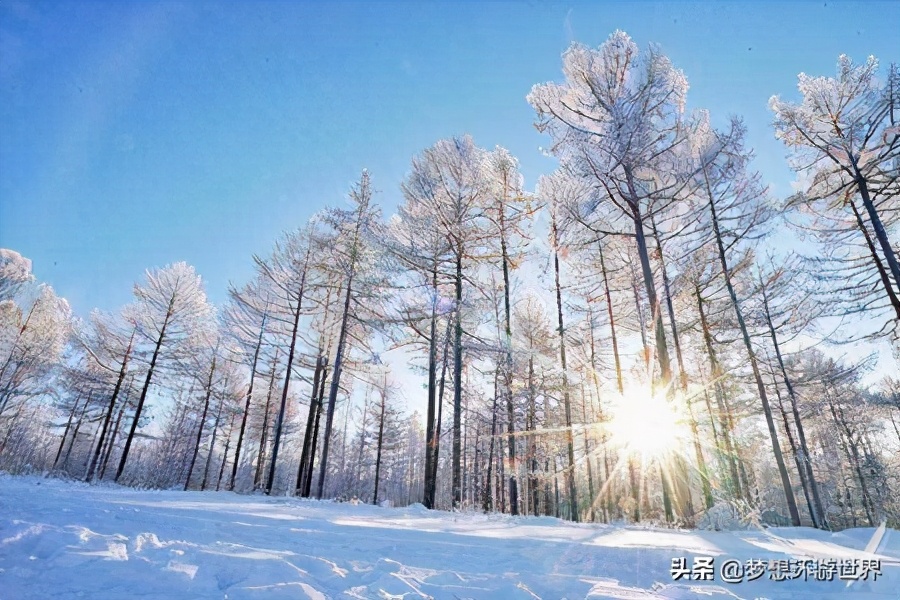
645, 423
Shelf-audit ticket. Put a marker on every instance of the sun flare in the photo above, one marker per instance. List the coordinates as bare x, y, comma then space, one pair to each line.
645, 423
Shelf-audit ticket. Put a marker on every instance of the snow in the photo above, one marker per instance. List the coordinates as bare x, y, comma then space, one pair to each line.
69, 540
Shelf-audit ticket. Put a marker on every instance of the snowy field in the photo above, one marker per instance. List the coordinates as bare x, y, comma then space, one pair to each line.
69, 540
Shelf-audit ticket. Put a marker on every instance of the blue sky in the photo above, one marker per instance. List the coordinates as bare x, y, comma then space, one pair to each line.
137, 134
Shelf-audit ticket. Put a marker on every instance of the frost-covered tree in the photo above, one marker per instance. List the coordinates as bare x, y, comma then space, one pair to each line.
737, 208
449, 180
109, 342
287, 276
355, 260
844, 137
15, 272
34, 329
244, 319
616, 122
172, 315
506, 208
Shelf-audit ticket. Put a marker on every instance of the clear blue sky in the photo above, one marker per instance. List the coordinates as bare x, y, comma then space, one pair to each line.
137, 134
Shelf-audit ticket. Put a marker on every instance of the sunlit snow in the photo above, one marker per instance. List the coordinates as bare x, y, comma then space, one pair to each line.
69, 540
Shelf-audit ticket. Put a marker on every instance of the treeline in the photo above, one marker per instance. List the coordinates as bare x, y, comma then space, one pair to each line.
637, 338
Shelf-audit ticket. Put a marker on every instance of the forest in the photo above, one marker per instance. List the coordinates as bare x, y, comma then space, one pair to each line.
647, 335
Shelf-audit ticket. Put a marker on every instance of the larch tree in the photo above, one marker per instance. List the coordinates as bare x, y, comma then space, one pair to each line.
287, 272
506, 208
421, 254
172, 315
616, 121
353, 256
737, 209
788, 310
34, 329
109, 342
844, 137
557, 190
450, 178
245, 319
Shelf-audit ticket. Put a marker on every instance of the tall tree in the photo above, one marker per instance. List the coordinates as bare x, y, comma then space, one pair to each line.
449, 177
506, 208
737, 207
617, 123
288, 271
554, 189
844, 137
352, 253
171, 313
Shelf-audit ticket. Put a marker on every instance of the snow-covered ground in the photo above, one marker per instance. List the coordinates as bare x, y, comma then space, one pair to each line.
69, 540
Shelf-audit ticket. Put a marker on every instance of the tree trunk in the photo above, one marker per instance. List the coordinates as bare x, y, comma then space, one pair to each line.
335, 388
486, 499
820, 519
201, 425
760, 386
662, 351
794, 450
430, 439
612, 321
314, 442
846, 437
570, 472
112, 441
270, 479
240, 440
885, 278
107, 417
380, 442
264, 433
442, 384
457, 383
310, 418
225, 452
587, 458
65, 435
143, 397
875, 219
508, 367
212, 443
75, 431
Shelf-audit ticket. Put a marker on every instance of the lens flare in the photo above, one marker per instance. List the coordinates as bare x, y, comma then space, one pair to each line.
645, 423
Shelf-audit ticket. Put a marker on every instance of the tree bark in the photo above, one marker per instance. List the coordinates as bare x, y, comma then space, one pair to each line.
570, 443
875, 219
820, 519
380, 442
457, 383
270, 479
310, 418
240, 440
885, 278
143, 397
202, 424
264, 433
430, 439
107, 417
760, 386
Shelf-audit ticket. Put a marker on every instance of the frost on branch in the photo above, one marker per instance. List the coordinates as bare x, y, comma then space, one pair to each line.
15, 271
